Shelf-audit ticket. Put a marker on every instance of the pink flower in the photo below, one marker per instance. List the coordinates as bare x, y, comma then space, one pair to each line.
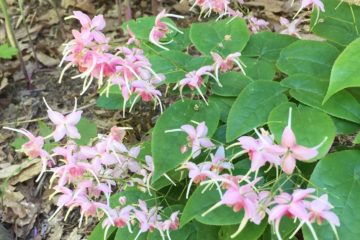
197, 138
255, 24
194, 80
218, 160
94, 26
291, 151
171, 224
132, 38
147, 92
240, 197
291, 27
320, 210
292, 206
227, 64
312, 3
208, 6
161, 29
64, 125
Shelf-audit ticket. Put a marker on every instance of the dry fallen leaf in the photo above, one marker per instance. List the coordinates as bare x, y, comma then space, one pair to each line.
47, 60
274, 6
16, 169
27, 173
50, 17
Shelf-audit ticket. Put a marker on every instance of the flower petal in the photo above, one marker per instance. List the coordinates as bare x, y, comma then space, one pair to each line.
288, 138
304, 153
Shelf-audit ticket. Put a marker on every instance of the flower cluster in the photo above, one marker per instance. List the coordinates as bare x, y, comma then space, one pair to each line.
161, 29
195, 79
128, 68
148, 219
84, 176
241, 191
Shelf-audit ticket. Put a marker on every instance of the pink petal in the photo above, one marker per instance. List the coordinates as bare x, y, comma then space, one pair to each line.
98, 22
248, 143
56, 117
201, 130
257, 161
206, 143
84, 19
190, 130
288, 164
331, 217
59, 132
304, 153
299, 211
278, 212
288, 138
300, 194
72, 132
73, 118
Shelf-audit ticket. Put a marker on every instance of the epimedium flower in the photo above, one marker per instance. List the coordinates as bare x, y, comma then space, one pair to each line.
292, 151
290, 27
64, 125
194, 80
226, 64
311, 3
219, 161
292, 206
162, 28
197, 137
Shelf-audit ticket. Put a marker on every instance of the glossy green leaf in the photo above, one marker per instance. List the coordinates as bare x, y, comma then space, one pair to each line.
309, 57
98, 232
267, 45
7, 52
338, 175
166, 146
208, 232
311, 91
224, 105
250, 232
114, 101
259, 69
232, 84
220, 36
339, 23
199, 202
311, 126
87, 130
345, 72
252, 107
345, 127
357, 139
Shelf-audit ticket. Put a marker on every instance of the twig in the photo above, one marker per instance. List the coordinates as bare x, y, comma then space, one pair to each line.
21, 6
12, 39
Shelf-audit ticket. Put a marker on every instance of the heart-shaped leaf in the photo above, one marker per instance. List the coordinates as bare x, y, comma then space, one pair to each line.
259, 69
311, 126
267, 45
338, 175
166, 146
220, 36
311, 91
345, 72
252, 107
309, 57
338, 24
232, 84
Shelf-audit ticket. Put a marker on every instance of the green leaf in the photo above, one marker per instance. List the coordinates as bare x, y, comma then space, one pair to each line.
166, 146
114, 101
220, 36
259, 69
357, 139
311, 91
208, 232
345, 72
224, 104
250, 232
87, 130
345, 127
252, 107
98, 232
232, 84
310, 126
7, 52
18, 142
199, 202
309, 57
338, 175
339, 23
267, 45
